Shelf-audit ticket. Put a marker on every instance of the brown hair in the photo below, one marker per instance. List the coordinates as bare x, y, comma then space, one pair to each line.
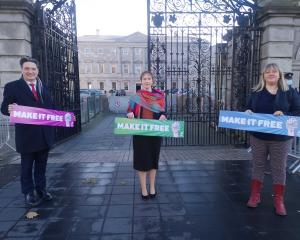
146, 72
29, 59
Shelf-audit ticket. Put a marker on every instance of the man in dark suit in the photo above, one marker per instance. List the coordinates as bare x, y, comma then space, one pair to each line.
32, 141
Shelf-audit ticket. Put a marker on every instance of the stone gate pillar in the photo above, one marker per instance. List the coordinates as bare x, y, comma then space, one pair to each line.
15, 39
281, 35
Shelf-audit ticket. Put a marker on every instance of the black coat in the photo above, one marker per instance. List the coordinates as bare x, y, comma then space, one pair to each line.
286, 101
29, 138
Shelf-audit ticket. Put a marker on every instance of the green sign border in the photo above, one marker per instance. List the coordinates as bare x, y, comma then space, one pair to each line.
149, 127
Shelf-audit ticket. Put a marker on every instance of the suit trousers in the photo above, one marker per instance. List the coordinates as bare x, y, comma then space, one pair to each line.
39, 160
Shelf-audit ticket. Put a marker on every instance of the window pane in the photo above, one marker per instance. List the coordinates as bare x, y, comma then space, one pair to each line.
101, 68
137, 69
126, 85
125, 68
101, 85
88, 68
100, 51
113, 68
95, 68
125, 51
114, 85
114, 51
87, 50
137, 51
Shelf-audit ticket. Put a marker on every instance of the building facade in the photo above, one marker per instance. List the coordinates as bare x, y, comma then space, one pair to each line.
112, 62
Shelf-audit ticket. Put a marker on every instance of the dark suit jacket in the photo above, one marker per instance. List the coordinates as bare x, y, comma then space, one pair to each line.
29, 138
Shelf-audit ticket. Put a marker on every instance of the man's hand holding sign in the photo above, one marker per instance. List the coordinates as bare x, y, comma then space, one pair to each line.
28, 103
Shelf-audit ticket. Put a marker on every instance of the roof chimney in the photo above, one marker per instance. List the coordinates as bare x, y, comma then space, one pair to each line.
97, 32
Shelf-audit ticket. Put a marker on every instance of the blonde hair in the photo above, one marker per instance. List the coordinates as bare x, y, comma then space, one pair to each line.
282, 85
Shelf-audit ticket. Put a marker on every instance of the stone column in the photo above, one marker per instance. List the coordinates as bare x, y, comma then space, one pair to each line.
281, 35
15, 38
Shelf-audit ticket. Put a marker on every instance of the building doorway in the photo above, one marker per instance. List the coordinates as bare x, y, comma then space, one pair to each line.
137, 86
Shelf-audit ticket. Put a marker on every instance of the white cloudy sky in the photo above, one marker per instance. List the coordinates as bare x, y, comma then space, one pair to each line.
111, 17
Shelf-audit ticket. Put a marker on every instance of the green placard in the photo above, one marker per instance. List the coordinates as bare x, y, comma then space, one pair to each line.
147, 127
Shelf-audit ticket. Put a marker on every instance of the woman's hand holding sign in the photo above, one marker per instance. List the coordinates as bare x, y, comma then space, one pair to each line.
130, 115
278, 113
162, 117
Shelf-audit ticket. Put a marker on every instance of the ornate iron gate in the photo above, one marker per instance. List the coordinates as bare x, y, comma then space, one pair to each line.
205, 56
54, 38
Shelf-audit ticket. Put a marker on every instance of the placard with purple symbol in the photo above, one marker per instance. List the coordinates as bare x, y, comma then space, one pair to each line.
41, 116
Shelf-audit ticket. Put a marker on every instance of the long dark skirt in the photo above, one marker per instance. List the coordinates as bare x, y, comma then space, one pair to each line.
146, 152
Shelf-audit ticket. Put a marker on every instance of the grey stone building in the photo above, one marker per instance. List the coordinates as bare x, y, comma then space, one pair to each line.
280, 43
120, 68
112, 62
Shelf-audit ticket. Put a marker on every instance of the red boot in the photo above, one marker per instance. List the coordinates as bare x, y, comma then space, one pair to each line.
278, 199
254, 199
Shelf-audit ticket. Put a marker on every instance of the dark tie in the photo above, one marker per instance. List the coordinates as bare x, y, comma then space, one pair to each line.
36, 96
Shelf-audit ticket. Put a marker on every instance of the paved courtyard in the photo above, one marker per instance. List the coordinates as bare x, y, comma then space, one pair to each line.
202, 193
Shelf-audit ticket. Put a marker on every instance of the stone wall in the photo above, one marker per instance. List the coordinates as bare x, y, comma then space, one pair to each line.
281, 35
280, 20
15, 39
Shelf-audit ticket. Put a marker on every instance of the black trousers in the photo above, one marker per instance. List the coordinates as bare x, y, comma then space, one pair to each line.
39, 160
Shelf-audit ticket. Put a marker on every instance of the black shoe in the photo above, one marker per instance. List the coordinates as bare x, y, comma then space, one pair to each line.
31, 200
152, 195
44, 195
145, 197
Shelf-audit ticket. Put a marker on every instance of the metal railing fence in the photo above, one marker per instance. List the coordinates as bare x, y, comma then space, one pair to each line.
295, 152
6, 132
91, 106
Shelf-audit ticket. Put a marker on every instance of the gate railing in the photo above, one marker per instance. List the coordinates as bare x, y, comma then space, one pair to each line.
205, 56
54, 38
6, 132
295, 152
89, 107
202, 129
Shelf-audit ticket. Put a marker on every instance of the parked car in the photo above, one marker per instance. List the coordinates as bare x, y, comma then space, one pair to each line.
171, 91
89, 92
185, 91
121, 92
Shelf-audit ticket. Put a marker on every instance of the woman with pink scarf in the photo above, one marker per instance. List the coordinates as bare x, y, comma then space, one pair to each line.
148, 103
